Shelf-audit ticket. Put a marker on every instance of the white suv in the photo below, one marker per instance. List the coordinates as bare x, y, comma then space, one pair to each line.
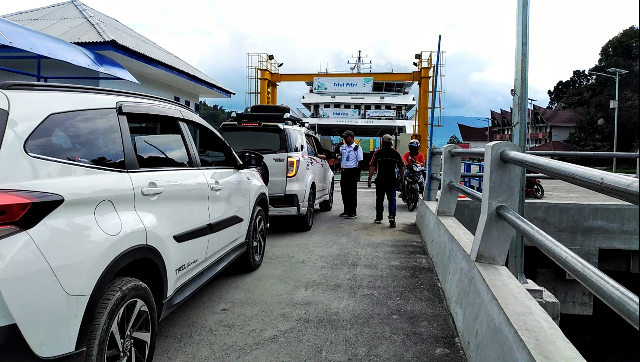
299, 175
114, 208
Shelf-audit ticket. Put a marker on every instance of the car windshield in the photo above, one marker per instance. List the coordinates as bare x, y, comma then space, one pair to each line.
258, 140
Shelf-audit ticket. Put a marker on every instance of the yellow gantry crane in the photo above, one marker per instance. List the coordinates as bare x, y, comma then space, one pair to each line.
264, 76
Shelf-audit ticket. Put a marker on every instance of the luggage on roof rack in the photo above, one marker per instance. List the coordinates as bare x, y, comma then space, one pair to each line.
270, 108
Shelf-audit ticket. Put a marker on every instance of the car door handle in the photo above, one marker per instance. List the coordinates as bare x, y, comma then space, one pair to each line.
150, 191
216, 187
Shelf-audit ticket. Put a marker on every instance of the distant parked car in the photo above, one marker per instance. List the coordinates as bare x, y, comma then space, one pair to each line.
299, 175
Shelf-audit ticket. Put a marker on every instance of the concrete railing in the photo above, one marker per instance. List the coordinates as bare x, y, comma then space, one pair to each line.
500, 197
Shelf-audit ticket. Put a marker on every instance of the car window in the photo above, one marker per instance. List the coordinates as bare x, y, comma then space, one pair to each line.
89, 137
296, 140
311, 147
212, 150
158, 141
260, 140
318, 145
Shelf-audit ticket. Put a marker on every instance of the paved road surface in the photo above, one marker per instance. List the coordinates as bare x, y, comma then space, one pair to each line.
348, 290
556, 190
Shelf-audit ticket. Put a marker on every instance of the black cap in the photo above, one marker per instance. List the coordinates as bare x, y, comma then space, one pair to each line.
347, 134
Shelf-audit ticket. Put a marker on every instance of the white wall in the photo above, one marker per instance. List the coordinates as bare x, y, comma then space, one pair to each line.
51, 67
560, 133
151, 86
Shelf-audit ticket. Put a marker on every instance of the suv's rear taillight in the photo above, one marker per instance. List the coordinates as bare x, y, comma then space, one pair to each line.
22, 210
292, 166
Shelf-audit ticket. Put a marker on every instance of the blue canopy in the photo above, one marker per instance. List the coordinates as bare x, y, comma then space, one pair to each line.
20, 37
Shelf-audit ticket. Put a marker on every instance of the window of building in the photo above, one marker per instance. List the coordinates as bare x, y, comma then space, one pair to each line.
336, 105
327, 106
387, 107
187, 103
347, 106
176, 98
378, 106
90, 137
367, 107
356, 106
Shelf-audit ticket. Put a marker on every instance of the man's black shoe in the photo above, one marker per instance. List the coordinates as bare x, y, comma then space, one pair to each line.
392, 223
377, 221
352, 216
344, 214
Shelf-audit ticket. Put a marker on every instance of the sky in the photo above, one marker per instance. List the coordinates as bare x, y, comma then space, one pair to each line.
478, 37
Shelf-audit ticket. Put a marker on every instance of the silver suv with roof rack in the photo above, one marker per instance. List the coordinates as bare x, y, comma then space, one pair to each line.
299, 175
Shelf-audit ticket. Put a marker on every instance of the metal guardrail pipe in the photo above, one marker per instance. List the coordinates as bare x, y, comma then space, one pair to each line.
621, 187
584, 154
469, 152
608, 290
530, 175
472, 194
436, 177
436, 152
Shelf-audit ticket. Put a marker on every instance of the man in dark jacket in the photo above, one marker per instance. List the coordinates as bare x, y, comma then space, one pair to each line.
384, 163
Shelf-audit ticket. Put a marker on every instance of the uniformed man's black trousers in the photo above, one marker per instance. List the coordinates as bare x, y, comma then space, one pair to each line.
349, 189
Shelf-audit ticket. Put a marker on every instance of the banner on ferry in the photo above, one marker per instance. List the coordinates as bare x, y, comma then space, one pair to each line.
380, 113
339, 113
330, 85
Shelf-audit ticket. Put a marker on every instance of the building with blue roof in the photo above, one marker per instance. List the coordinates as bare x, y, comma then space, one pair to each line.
158, 71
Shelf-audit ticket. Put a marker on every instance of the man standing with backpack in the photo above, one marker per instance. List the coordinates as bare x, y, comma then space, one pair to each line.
384, 162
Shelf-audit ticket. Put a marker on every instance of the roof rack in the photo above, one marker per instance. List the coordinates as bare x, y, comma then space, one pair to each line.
273, 117
39, 86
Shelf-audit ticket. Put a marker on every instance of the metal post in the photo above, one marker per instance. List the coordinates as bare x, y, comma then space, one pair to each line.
436, 166
615, 125
493, 235
520, 96
450, 172
433, 103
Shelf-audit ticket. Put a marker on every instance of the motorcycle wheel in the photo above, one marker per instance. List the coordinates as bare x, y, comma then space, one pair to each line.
538, 191
412, 198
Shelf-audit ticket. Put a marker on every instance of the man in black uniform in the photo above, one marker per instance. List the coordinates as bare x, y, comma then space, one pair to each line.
385, 161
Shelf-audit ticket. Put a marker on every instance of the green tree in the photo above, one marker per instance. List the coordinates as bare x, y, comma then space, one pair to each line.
595, 132
214, 114
453, 140
571, 93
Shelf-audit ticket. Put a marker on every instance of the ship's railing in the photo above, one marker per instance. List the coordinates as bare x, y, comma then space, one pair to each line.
502, 163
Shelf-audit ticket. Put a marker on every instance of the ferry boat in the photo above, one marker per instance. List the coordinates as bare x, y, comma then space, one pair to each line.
368, 108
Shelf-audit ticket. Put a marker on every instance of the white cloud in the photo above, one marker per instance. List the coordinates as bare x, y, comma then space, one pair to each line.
478, 36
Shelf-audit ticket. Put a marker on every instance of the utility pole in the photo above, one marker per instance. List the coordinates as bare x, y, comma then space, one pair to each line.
520, 108
614, 104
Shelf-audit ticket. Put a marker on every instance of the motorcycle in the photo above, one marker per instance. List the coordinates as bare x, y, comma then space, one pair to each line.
534, 188
413, 185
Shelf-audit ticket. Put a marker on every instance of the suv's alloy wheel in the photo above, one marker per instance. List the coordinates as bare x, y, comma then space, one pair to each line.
256, 241
125, 325
307, 218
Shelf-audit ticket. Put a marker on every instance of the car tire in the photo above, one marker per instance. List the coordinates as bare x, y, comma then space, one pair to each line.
256, 239
327, 205
126, 322
306, 220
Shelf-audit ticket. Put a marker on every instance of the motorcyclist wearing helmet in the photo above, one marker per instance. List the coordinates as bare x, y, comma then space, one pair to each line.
412, 156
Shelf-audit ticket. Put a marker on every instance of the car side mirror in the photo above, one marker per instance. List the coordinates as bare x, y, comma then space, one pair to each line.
251, 159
